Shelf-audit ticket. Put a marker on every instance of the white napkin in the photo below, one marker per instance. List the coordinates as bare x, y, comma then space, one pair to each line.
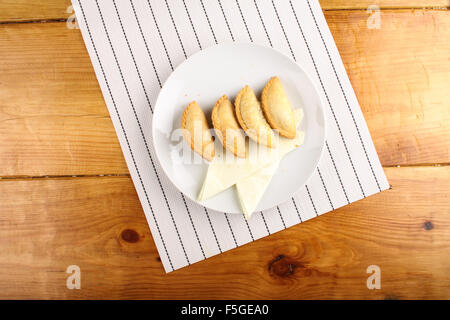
135, 44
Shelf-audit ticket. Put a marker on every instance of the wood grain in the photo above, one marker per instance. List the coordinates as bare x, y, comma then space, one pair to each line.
383, 4
98, 224
29, 10
53, 120
400, 74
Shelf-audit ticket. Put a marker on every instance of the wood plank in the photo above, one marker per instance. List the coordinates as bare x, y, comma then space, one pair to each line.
400, 74
29, 10
383, 4
53, 120
49, 224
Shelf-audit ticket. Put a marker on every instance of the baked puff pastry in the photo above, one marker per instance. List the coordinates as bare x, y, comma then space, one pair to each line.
227, 127
277, 109
251, 118
197, 132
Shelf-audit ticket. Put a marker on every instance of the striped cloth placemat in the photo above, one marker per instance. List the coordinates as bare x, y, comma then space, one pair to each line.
134, 45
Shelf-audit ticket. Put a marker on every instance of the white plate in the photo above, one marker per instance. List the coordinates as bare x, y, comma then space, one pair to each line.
225, 69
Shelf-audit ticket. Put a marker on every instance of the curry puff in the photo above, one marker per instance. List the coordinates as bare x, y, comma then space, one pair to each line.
277, 109
251, 118
227, 127
196, 131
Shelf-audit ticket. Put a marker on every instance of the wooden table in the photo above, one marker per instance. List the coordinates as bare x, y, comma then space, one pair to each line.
66, 197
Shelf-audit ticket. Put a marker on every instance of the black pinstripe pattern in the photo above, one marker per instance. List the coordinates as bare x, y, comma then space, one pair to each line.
345, 96
243, 19
248, 227
262, 21
192, 25
209, 22
326, 190
141, 131
329, 104
132, 57
212, 31
312, 202
231, 229
281, 217
212, 228
193, 226
298, 212
337, 172
143, 87
293, 57
251, 39
284, 32
226, 20
125, 135
270, 42
176, 30
265, 223
159, 33
146, 46
182, 46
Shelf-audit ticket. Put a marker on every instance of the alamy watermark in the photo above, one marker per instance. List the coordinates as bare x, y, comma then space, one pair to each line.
74, 280
72, 22
374, 20
374, 280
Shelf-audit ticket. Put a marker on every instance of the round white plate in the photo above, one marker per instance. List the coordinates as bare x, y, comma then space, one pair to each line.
225, 69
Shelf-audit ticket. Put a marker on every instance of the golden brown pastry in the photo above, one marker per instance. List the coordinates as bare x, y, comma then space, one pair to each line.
227, 127
277, 108
197, 132
251, 118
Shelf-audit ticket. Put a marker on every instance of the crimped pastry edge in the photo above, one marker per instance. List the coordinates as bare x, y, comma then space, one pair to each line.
242, 122
265, 108
189, 139
237, 102
219, 129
